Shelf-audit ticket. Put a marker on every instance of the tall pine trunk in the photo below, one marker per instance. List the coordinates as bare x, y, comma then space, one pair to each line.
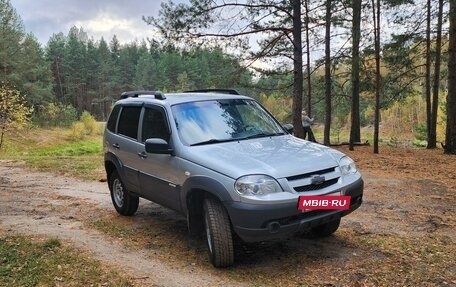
450, 138
355, 133
432, 141
376, 16
327, 131
309, 84
297, 69
428, 72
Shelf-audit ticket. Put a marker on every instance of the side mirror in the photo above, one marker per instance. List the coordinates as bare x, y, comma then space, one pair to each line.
158, 146
288, 128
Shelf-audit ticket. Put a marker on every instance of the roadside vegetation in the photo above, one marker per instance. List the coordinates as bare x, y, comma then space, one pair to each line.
74, 151
32, 261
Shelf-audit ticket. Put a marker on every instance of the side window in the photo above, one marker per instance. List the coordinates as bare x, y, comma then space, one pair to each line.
128, 122
154, 125
112, 121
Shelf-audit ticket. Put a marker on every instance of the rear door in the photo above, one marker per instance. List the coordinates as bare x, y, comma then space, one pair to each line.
126, 145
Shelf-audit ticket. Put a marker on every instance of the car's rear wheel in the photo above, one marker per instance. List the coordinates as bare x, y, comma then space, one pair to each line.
123, 201
326, 229
218, 233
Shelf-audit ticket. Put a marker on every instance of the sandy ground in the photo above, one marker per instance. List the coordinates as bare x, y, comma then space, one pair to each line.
406, 195
42, 203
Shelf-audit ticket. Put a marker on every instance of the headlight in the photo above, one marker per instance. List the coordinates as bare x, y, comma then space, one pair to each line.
256, 185
347, 166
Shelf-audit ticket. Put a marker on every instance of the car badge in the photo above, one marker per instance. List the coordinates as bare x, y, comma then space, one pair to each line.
317, 179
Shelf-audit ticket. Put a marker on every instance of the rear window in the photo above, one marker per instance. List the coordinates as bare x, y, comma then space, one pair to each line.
128, 122
112, 121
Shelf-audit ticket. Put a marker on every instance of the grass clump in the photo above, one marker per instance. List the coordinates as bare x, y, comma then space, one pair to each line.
77, 131
87, 125
28, 262
54, 149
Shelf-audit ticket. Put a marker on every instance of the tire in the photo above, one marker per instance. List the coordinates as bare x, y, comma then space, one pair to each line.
123, 201
326, 229
218, 234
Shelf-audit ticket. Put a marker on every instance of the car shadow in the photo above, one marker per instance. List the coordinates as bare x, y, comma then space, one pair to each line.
167, 230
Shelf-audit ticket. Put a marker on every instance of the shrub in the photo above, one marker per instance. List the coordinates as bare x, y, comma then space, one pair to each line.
90, 124
87, 125
55, 114
420, 132
14, 114
78, 131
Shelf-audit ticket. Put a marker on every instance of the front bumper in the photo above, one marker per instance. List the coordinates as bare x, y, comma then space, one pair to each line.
263, 222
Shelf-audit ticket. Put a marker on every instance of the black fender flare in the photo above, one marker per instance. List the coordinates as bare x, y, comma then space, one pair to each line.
112, 158
207, 184
204, 186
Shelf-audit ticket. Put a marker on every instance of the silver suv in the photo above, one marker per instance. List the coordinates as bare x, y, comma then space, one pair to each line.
224, 162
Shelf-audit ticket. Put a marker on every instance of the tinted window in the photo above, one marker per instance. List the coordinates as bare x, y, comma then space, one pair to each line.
111, 125
128, 122
154, 125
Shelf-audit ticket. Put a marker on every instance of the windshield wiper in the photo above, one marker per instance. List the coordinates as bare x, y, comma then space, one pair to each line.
262, 134
212, 141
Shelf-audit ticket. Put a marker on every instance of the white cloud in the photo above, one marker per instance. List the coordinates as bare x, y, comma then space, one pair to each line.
103, 23
107, 25
99, 18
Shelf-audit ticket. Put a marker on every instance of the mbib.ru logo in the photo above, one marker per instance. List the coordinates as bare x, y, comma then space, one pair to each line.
324, 202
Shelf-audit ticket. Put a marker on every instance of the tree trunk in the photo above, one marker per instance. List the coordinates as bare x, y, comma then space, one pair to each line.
355, 134
327, 131
297, 69
428, 72
432, 141
450, 139
309, 85
376, 16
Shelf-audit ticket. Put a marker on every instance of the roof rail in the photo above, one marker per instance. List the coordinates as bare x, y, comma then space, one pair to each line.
223, 91
134, 94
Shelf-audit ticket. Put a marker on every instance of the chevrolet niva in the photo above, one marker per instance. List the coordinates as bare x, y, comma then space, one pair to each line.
225, 163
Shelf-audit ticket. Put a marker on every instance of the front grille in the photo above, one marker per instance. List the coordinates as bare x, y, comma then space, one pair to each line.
313, 187
310, 174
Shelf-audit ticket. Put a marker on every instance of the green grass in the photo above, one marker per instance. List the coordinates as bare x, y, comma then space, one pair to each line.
111, 227
82, 158
54, 150
69, 149
26, 262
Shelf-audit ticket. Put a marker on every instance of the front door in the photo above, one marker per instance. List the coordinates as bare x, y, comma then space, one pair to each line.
157, 172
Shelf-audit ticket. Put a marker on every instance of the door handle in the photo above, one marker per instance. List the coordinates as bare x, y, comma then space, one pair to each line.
116, 145
142, 155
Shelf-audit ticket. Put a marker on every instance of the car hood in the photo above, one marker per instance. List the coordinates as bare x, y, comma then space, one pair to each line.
278, 156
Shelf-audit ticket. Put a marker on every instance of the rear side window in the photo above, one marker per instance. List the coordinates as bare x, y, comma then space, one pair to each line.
111, 125
128, 122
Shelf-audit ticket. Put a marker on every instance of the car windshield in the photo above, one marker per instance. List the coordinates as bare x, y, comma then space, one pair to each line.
214, 121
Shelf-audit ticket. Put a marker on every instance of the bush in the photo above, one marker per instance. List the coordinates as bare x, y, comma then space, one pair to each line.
78, 131
420, 132
90, 124
55, 114
87, 125
14, 113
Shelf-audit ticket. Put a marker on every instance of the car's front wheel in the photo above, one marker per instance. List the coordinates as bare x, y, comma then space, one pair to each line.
326, 229
218, 233
123, 201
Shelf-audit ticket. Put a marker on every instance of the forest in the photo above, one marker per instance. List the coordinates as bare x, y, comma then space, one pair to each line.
380, 66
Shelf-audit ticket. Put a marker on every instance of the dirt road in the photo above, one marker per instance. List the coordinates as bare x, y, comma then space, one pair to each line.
41, 203
403, 234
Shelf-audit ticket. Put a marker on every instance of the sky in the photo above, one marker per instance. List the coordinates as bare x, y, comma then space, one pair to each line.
99, 18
